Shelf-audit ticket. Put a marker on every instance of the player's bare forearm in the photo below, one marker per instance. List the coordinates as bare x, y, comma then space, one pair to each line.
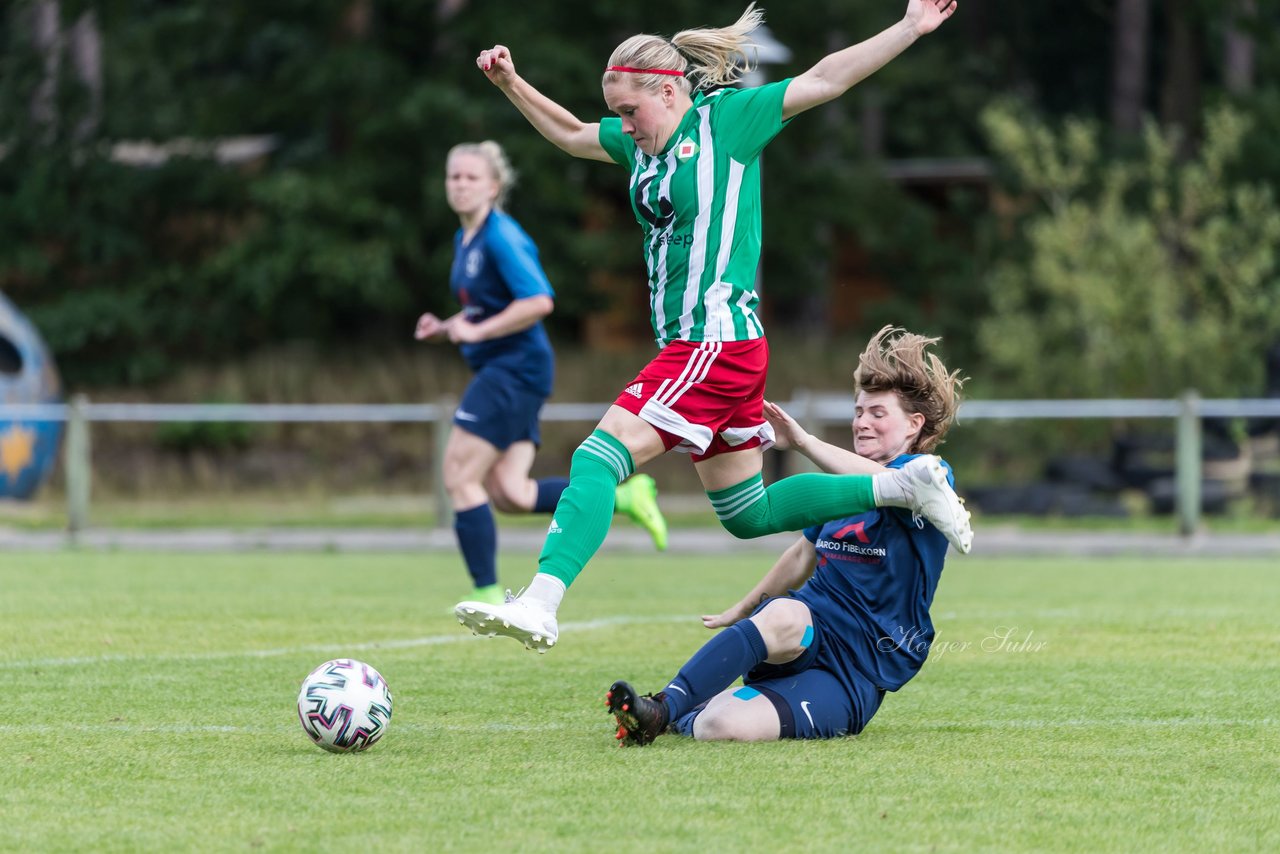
839, 72
518, 316
550, 119
792, 569
833, 459
559, 126
789, 435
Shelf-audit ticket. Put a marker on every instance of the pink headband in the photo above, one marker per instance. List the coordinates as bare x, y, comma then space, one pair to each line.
629, 70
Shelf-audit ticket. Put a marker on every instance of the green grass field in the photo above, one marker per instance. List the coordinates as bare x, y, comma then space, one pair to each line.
1072, 704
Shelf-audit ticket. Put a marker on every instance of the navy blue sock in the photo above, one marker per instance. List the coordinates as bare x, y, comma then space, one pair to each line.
549, 489
713, 668
478, 540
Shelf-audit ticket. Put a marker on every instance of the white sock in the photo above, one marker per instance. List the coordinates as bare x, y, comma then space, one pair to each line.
888, 490
545, 589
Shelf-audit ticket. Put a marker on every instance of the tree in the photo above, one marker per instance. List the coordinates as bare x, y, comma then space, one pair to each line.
1238, 49
1180, 93
1129, 77
1135, 277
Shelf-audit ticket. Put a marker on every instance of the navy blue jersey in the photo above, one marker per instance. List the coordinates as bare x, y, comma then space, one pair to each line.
499, 265
872, 588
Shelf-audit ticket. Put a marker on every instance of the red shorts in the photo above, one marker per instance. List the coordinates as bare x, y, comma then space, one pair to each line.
704, 397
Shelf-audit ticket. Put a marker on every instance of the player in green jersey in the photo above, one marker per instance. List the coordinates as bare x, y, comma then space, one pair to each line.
692, 148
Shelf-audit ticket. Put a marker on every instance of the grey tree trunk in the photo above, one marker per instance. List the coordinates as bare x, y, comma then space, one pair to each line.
83, 42
1238, 50
1129, 64
86, 60
1180, 94
46, 36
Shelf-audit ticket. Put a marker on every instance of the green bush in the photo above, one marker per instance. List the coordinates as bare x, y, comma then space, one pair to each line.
1136, 276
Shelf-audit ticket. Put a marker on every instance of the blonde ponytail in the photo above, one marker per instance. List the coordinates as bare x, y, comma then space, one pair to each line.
709, 57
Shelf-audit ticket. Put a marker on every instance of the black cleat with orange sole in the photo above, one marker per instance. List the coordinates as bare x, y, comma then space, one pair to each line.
641, 717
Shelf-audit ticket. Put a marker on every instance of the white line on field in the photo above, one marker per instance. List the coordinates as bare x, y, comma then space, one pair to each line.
403, 643
190, 729
961, 728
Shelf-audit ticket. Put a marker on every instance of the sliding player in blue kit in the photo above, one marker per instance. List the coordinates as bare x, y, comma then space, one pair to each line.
504, 293
843, 615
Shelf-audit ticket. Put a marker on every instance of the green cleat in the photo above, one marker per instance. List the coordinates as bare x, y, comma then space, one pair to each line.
637, 499
491, 594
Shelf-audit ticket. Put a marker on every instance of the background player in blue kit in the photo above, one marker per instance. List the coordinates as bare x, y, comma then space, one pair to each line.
816, 661
504, 293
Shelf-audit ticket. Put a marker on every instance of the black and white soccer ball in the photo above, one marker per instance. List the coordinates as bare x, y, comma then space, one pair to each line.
344, 705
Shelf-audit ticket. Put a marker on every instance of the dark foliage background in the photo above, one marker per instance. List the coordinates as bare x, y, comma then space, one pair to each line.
340, 235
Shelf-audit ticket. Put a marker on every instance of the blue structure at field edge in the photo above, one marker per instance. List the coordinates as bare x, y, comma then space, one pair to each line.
28, 448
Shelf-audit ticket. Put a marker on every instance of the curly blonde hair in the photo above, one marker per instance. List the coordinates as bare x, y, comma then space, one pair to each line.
708, 56
492, 154
897, 360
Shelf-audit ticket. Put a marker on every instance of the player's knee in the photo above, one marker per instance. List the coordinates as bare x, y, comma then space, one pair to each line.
502, 495
714, 726
458, 479
745, 518
597, 458
737, 720
502, 500
748, 523
739, 528
786, 625
457, 474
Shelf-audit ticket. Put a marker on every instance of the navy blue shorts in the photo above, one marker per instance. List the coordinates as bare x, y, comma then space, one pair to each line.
811, 700
500, 409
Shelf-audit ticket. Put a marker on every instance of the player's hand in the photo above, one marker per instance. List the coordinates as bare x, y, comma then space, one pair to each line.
787, 434
429, 326
497, 64
463, 331
925, 16
728, 618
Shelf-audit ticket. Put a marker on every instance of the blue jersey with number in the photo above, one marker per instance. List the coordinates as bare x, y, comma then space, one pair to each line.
872, 588
497, 266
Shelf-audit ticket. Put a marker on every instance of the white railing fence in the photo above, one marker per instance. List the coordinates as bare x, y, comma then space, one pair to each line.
811, 409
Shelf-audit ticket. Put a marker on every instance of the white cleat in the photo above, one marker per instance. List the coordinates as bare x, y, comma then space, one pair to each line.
525, 620
924, 482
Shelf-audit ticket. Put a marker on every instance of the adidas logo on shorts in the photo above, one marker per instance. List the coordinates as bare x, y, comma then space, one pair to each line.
635, 389
554, 528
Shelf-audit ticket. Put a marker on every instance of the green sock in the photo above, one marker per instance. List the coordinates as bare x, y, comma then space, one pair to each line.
750, 510
585, 510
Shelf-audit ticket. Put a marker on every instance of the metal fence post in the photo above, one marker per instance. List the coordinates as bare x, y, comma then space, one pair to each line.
440, 439
77, 465
1188, 463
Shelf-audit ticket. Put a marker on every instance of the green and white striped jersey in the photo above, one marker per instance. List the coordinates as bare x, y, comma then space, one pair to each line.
698, 202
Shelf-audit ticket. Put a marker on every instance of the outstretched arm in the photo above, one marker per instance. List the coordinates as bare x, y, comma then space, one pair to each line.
839, 72
558, 125
789, 435
791, 570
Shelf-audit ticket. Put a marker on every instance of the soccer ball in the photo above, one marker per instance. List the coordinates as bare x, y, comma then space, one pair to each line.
344, 705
